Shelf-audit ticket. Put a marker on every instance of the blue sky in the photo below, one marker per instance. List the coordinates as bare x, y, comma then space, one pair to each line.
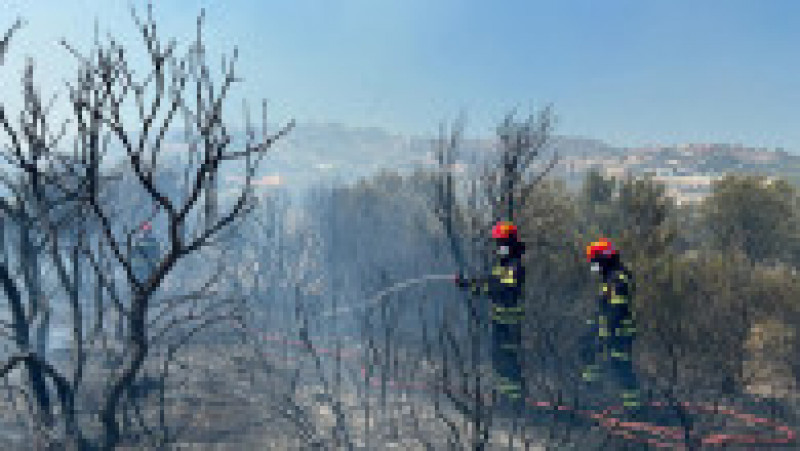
628, 72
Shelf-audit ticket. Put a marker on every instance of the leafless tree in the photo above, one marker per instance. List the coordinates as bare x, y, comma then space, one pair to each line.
36, 212
102, 94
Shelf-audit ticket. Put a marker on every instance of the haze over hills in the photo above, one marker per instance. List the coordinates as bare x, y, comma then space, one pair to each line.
332, 153
314, 153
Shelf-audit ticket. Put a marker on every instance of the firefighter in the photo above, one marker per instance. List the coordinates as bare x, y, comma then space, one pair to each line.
614, 327
146, 252
504, 288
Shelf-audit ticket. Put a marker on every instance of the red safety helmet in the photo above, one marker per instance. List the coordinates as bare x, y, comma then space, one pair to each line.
504, 230
601, 248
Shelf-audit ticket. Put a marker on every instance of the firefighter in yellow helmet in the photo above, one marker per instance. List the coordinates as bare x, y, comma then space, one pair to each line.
615, 327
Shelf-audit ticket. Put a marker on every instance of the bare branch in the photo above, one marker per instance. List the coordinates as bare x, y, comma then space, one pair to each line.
201, 293
260, 148
108, 285
528, 189
7, 39
13, 362
136, 162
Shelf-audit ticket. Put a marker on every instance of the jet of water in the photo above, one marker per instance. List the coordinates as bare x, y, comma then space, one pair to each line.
376, 300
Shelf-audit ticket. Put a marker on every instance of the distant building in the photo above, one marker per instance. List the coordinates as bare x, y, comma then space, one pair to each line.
687, 188
615, 171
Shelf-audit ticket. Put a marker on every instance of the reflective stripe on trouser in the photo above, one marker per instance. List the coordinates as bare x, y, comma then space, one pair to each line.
620, 372
506, 342
630, 398
507, 315
509, 388
613, 360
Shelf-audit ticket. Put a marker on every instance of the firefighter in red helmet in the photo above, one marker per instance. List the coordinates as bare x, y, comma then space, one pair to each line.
615, 327
504, 288
146, 252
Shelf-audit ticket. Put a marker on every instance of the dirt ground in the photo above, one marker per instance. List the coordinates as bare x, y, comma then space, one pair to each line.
224, 399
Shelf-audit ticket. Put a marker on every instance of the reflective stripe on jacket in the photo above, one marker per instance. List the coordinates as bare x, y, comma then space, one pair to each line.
616, 317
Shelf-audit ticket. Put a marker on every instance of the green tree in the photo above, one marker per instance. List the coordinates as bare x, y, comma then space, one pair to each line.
557, 296
754, 214
646, 217
596, 198
597, 188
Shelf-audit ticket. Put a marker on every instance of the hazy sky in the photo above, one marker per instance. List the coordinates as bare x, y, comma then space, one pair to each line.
628, 72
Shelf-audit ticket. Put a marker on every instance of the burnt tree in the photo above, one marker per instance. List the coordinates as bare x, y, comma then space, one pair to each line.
56, 191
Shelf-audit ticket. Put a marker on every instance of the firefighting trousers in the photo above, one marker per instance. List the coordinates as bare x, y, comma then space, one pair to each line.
617, 356
506, 346
612, 362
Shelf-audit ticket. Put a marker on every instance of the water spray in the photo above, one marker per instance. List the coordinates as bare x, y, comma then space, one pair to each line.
376, 300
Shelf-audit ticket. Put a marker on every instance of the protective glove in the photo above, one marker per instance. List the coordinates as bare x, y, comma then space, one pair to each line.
460, 280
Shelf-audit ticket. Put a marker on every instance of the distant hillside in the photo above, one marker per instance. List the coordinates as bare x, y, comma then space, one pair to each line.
688, 171
314, 153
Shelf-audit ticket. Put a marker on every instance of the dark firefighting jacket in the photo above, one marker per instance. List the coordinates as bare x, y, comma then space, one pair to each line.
615, 318
504, 287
